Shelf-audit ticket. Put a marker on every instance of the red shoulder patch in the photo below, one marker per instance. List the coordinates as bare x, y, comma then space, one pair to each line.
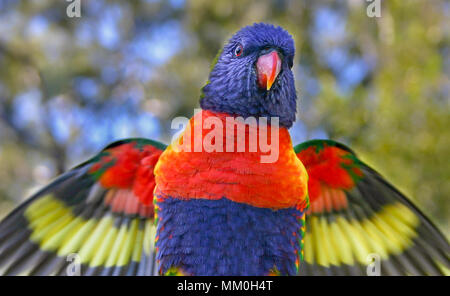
129, 166
144, 183
123, 162
329, 170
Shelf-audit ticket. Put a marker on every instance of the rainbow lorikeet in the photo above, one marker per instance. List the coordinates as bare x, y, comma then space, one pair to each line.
141, 208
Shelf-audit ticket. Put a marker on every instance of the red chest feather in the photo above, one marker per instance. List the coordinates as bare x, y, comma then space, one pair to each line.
238, 176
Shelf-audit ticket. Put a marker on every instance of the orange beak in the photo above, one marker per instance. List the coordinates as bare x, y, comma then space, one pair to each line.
268, 67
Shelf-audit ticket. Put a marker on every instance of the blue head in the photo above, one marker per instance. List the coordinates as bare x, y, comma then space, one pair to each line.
253, 77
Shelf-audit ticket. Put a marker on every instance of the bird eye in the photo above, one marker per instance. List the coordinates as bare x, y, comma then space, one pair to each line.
238, 50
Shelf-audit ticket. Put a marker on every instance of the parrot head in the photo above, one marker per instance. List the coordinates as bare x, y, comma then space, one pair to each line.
252, 75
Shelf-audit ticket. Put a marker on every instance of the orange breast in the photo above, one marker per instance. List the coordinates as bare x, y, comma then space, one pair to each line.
238, 176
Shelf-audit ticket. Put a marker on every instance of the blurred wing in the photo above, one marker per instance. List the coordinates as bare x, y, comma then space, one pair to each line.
99, 214
356, 217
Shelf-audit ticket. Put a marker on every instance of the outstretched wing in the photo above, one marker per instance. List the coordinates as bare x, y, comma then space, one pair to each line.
96, 219
358, 222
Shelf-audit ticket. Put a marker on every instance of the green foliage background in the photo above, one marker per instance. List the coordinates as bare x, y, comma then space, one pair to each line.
396, 117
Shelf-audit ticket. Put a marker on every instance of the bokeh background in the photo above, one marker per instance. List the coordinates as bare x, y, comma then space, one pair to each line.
68, 86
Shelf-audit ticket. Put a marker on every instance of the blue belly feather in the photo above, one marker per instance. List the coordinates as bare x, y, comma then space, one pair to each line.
222, 237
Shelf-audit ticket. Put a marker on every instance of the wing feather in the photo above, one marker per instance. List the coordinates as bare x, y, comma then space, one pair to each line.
355, 214
104, 218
